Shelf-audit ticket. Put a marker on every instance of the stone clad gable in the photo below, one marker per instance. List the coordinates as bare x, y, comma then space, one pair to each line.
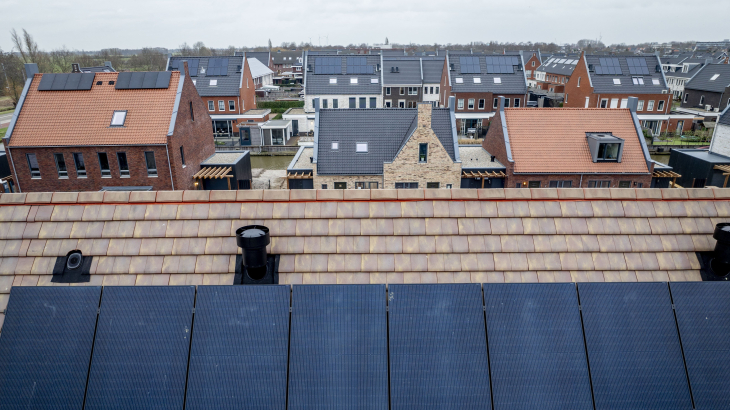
405, 166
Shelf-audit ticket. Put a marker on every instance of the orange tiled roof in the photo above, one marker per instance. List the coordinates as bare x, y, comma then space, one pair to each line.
553, 140
78, 118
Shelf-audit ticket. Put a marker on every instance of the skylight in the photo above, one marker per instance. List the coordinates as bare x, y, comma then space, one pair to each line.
361, 147
213, 83
459, 80
353, 80
118, 118
497, 80
333, 81
477, 80
616, 81
714, 77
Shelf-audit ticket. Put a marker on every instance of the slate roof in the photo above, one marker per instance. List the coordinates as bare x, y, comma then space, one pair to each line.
553, 140
702, 81
283, 57
559, 65
319, 84
228, 85
433, 68
262, 56
603, 83
82, 117
384, 129
409, 71
511, 83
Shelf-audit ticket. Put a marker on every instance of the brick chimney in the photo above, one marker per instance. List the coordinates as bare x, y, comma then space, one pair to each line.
424, 115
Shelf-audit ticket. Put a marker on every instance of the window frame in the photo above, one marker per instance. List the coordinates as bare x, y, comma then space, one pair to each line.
62, 174
123, 173
37, 173
105, 173
151, 171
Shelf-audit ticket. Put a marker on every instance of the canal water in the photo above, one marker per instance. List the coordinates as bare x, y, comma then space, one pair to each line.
271, 162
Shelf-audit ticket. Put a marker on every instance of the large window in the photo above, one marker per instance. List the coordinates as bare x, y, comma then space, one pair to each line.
406, 185
123, 164
608, 152
80, 165
35, 170
104, 165
423, 153
149, 158
61, 165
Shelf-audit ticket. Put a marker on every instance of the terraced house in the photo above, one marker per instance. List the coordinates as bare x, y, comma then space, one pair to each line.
342, 81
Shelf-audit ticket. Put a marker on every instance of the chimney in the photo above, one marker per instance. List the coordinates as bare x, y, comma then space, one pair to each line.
31, 69
75, 68
424, 115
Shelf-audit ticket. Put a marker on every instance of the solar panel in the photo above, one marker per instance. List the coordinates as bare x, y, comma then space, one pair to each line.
328, 65
339, 353
438, 347
536, 350
469, 65
45, 346
633, 348
704, 326
501, 64
141, 349
637, 66
238, 358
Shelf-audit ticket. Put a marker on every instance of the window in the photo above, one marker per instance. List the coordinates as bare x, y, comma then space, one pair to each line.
192, 115
213, 83
211, 106
373, 102
61, 166
477, 80
423, 153
471, 103
608, 152
495, 104
460, 104
388, 103
686, 96
506, 103
599, 184
361, 147
401, 103
481, 103
517, 102
413, 90
221, 105
433, 185
366, 185
650, 106
363, 102
124, 165
231, 105
624, 184
104, 165
325, 103
333, 81
80, 165
340, 185
387, 90
402, 91
459, 80
35, 171
640, 106
660, 106
497, 80
182, 156
335, 145
335, 103
560, 184
149, 157
406, 185
604, 103
353, 80
118, 118
353, 102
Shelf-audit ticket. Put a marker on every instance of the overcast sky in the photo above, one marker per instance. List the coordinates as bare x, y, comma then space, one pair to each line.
94, 24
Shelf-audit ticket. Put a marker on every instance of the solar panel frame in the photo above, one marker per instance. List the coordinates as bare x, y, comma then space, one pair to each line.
45, 346
338, 347
536, 349
633, 346
701, 309
438, 347
240, 347
141, 348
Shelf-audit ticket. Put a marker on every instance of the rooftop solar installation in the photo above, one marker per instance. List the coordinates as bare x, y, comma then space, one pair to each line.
238, 358
338, 348
703, 317
633, 348
438, 347
45, 347
536, 349
141, 349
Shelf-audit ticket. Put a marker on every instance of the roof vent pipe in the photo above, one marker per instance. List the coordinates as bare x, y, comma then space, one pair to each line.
253, 239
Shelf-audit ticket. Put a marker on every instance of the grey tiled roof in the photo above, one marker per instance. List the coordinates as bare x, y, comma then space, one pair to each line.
702, 81
510, 83
433, 68
384, 129
409, 71
603, 83
319, 84
262, 56
228, 85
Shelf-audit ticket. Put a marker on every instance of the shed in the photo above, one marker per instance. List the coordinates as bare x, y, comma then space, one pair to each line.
225, 170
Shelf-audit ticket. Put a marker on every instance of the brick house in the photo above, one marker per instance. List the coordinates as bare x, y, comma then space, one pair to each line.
555, 73
600, 81
476, 81
571, 147
404, 148
141, 130
342, 81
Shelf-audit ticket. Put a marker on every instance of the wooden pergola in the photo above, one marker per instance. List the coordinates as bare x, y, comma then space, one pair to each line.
214, 173
725, 171
483, 175
297, 175
667, 174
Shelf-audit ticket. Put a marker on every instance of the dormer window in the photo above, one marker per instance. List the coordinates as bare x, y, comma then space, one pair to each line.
497, 80
333, 80
118, 118
604, 147
459, 80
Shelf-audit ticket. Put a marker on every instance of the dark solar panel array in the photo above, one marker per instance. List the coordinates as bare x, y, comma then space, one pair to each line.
633, 347
358, 65
141, 349
438, 348
66, 82
338, 348
143, 80
328, 65
45, 347
637, 66
536, 348
469, 65
609, 66
502, 64
217, 67
703, 317
238, 358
